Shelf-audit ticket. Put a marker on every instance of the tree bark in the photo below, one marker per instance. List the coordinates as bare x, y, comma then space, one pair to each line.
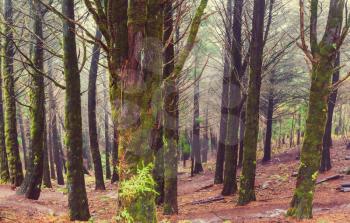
247, 191
56, 142
77, 199
14, 161
115, 173
31, 186
46, 165
94, 147
4, 169
322, 71
196, 128
327, 137
234, 105
220, 154
23, 137
171, 99
107, 141
269, 122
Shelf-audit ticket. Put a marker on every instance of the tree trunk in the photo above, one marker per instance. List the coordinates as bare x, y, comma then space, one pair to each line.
31, 186
241, 136
49, 146
46, 166
327, 138
291, 135
77, 199
220, 154
322, 70
4, 169
115, 173
56, 142
94, 147
196, 129
23, 137
14, 161
234, 105
247, 191
171, 99
299, 129
269, 122
107, 142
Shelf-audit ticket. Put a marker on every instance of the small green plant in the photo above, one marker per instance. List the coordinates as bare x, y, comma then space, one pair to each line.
140, 184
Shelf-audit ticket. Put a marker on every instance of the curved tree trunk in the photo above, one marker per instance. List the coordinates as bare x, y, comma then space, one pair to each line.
94, 147
77, 199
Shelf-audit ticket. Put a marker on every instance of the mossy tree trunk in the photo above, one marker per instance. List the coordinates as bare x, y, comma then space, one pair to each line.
31, 186
171, 95
77, 199
94, 147
247, 181
327, 138
14, 161
4, 169
323, 56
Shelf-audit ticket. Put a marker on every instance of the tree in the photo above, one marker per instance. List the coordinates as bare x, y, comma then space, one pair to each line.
14, 161
77, 199
94, 147
220, 155
46, 163
23, 137
31, 186
327, 137
247, 191
107, 142
56, 142
196, 145
4, 169
235, 103
170, 130
322, 58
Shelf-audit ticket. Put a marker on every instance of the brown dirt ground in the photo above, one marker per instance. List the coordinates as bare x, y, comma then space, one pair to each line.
274, 187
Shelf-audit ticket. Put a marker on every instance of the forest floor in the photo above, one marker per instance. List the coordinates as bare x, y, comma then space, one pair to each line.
274, 189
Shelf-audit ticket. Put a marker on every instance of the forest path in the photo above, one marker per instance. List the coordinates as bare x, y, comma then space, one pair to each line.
52, 205
274, 189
